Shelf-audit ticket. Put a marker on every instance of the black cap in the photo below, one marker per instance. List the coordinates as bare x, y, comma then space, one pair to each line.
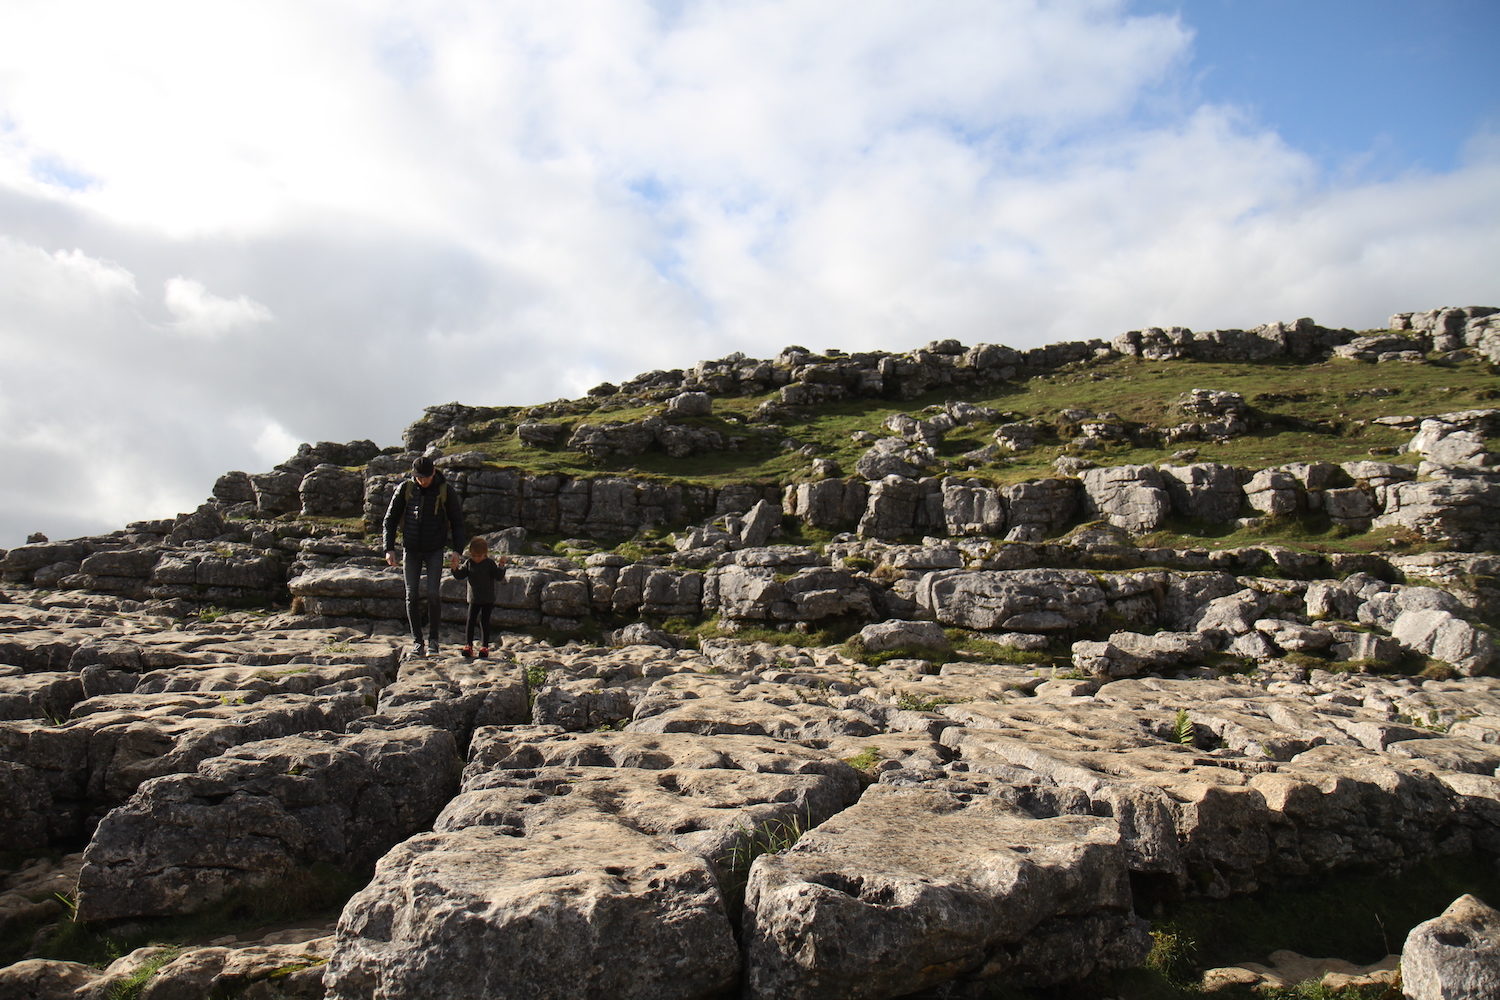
422, 466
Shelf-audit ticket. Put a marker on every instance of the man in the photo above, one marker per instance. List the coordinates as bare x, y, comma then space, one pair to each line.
428, 512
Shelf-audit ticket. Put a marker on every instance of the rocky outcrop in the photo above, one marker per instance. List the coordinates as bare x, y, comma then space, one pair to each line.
672, 811
701, 848
916, 886
262, 813
1454, 955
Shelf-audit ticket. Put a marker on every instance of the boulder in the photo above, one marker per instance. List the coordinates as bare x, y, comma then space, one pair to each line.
1026, 600
914, 887
1205, 492
902, 635
971, 507
1128, 653
690, 404
260, 814
1461, 508
1443, 636
590, 908
1128, 496
1040, 508
832, 504
1454, 956
1274, 493
897, 507
895, 457
332, 491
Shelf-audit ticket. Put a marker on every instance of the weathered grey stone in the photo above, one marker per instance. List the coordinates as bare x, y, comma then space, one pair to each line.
1029, 600
710, 812
735, 707
262, 812
834, 504
477, 912
1462, 508
1128, 496
1041, 508
1454, 956
1205, 492
895, 457
760, 521
896, 508
971, 507
284, 965
47, 979
1294, 637
913, 887
40, 695
904, 635
1442, 636
1129, 653
1274, 493
114, 743
690, 404
332, 491
753, 593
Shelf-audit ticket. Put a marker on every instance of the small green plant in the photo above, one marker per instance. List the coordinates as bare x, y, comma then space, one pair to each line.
134, 984
338, 647
1173, 956
912, 703
68, 901
307, 962
1184, 732
771, 837
865, 760
536, 676
211, 613
1314, 989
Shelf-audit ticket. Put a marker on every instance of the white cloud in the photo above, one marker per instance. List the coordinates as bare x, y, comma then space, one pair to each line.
355, 210
198, 312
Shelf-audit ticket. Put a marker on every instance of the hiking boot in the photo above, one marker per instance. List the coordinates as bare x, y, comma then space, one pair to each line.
468, 651
484, 652
416, 652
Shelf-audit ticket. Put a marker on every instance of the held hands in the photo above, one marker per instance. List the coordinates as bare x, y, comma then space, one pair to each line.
453, 561
502, 561
390, 558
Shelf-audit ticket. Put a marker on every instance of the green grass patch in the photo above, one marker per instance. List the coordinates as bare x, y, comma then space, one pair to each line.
133, 985
1303, 413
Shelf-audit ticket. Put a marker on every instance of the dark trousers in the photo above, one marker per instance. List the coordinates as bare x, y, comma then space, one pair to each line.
414, 563
478, 614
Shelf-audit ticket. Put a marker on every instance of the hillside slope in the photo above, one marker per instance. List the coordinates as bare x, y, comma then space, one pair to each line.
918, 674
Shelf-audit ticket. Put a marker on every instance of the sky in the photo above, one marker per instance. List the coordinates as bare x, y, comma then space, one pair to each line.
230, 227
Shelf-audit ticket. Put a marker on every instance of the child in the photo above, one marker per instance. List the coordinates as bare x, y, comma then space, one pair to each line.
483, 573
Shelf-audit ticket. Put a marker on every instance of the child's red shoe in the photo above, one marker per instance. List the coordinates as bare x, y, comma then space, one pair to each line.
468, 651
484, 652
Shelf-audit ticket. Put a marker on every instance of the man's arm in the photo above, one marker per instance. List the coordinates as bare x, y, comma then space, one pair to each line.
393, 514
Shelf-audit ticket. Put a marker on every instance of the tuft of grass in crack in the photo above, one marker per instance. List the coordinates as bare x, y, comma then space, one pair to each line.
133, 985
771, 837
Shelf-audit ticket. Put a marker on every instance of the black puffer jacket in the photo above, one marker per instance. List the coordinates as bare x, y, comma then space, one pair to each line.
425, 515
482, 577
